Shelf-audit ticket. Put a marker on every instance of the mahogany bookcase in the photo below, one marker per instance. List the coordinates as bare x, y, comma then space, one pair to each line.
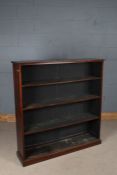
58, 106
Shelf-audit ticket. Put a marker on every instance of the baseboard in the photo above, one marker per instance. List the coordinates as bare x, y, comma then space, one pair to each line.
109, 116
11, 117
7, 118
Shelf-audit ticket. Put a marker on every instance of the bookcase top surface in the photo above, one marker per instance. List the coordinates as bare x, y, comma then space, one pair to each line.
57, 61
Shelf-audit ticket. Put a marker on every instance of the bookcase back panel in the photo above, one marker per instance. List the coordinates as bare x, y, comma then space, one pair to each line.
50, 94
45, 73
51, 117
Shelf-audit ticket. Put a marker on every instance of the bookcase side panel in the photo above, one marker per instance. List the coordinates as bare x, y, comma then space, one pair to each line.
95, 127
18, 109
101, 89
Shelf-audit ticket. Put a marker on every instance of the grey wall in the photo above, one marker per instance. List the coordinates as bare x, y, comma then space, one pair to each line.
40, 29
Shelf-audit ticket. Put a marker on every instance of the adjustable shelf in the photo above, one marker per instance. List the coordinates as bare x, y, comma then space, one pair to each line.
58, 107
50, 137
34, 84
60, 102
58, 123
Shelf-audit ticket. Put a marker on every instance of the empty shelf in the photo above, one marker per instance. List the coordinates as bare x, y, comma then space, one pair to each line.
58, 123
54, 82
62, 145
61, 101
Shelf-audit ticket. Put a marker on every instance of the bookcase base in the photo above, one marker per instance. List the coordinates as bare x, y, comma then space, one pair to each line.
36, 159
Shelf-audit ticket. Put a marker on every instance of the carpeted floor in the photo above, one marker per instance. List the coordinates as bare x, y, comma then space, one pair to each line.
97, 160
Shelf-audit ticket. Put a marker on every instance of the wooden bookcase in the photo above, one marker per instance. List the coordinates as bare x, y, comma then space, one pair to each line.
58, 106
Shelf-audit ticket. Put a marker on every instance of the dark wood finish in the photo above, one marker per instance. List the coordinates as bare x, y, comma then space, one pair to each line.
56, 61
59, 82
61, 102
18, 108
56, 146
56, 126
51, 125
37, 159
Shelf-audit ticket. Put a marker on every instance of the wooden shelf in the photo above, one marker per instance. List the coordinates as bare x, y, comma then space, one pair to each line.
37, 84
61, 102
57, 123
63, 144
58, 61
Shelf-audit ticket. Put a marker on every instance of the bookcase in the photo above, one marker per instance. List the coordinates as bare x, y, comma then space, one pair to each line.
58, 107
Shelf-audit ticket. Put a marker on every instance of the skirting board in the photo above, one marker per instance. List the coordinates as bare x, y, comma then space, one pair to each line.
7, 118
11, 117
109, 116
